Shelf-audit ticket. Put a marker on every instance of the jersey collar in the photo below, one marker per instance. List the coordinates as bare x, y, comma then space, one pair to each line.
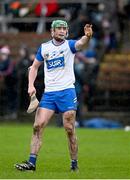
56, 43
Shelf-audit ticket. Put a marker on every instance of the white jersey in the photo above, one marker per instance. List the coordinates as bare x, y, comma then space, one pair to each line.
58, 64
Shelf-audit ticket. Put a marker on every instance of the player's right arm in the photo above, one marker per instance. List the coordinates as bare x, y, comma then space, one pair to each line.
33, 72
32, 76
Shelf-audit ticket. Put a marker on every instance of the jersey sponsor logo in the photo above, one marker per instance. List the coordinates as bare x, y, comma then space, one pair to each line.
55, 63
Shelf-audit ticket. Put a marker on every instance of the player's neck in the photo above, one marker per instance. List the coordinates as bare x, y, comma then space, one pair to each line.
57, 42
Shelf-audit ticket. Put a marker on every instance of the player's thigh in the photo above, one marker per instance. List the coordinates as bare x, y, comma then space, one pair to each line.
66, 100
43, 116
69, 117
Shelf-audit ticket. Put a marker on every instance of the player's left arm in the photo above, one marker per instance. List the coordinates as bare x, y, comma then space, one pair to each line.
84, 40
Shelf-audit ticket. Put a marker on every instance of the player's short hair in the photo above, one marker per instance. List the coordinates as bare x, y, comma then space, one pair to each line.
59, 23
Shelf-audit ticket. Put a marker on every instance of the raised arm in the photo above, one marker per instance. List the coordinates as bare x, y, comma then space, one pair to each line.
83, 41
32, 76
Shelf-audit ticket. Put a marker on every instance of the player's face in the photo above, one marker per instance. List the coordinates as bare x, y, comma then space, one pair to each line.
60, 33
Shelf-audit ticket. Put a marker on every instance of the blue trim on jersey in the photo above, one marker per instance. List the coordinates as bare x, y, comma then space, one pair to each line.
39, 56
72, 45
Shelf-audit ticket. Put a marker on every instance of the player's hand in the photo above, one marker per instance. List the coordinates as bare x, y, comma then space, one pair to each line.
88, 30
31, 90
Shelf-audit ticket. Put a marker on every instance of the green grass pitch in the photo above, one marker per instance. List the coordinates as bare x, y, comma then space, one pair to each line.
103, 154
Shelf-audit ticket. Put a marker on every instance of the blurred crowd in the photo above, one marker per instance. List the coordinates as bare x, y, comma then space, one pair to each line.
14, 81
108, 33
108, 30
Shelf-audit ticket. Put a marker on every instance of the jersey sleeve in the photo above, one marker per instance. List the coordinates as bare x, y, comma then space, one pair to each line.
39, 56
72, 45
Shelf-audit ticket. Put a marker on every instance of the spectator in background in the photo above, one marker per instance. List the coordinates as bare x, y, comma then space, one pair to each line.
75, 26
89, 74
8, 74
26, 60
22, 69
127, 9
14, 8
46, 9
69, 10
78, 69
39, 83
